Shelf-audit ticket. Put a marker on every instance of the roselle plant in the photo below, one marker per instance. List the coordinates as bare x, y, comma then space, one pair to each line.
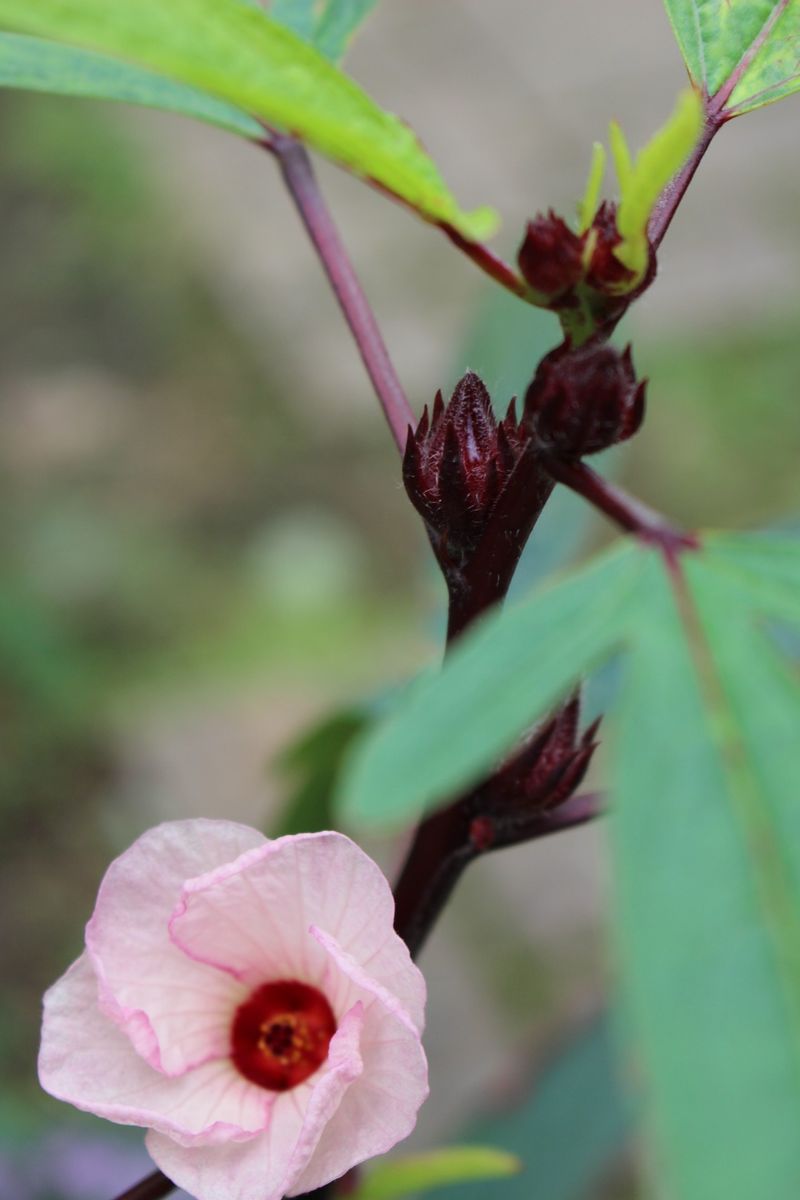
490, 750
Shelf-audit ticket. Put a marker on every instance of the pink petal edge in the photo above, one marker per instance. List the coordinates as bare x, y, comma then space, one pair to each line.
86, 1060
128, 941
267, 1166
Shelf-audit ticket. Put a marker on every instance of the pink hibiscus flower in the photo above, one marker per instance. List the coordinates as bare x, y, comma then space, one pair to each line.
249, 1003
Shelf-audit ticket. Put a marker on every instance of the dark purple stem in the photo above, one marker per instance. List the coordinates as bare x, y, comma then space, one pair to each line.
153, 1187
439, 853
443, 847
626, 511
299, 177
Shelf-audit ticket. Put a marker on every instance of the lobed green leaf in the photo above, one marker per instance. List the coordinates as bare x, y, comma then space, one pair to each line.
742, 50
235, 52
706, 834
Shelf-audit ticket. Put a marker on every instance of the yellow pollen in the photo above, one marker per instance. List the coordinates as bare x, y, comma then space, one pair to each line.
284, 1038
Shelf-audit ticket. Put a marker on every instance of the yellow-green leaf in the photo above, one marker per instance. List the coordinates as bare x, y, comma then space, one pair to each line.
621, 154
591, 197
235, 52
437, 1168
641, 182
744, 52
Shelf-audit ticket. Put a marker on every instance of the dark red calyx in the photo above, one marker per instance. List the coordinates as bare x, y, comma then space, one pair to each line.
549, 767
457, 462
605, 273
280, 1035
584, 400
551, 256
482, 833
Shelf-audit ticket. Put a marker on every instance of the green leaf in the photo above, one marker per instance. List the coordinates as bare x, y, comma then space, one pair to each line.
642, 180
234, 51
437, 1168
768, 567
706, 834
41, 66
591, 196
298, 15
451, 727
338, 23
570, 1127
313, 763
742, 51
327, 24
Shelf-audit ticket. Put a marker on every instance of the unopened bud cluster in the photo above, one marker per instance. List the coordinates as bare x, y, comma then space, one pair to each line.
584, 400
568, 270
459, 459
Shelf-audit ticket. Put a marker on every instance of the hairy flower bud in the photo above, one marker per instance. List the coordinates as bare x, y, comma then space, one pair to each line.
548, 769
551, 256
584, 400
457, 462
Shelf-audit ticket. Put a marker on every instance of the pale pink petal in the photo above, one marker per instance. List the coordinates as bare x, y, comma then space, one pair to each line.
380, 1109
87, 1060
266, 1167
176, 1013
251, 918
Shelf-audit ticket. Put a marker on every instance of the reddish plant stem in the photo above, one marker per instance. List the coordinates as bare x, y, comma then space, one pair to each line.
442, 848
673, 193
439, 852
489, 262
301, 181
152, 1187
626, 511
576, 811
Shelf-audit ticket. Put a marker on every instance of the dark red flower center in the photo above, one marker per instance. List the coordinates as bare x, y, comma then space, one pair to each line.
281, 1034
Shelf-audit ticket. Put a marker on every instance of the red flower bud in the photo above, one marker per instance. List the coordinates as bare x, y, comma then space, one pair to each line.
457, 462
605, 272
548, 769
551, 256
585, 400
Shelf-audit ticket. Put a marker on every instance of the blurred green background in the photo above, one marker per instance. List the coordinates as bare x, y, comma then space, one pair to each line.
205, 546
